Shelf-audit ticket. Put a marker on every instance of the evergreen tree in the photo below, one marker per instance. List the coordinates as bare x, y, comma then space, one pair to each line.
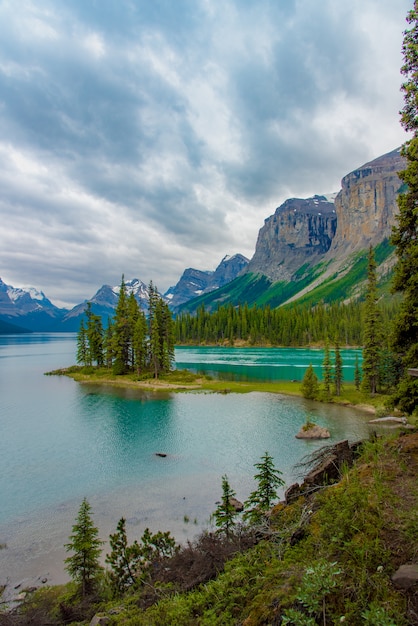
121, 335
108, 353
261, 500
83, 352
310, 384
154, 330
338, 369
84, 566
133, 314
225, 513
373, 330
357, 374
94, 333
327, 371
405, 234
140, 343
122, 558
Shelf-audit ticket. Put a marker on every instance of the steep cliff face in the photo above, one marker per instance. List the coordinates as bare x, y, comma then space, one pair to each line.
366, 205
300, 232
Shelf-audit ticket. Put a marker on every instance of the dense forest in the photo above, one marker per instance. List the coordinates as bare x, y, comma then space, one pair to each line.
293, 325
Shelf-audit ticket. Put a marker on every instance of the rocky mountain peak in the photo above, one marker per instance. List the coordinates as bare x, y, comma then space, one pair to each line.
299, 232
195, 282
366, 206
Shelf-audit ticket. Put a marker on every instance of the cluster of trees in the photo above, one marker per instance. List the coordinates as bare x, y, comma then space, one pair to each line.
405, 235
294, 325
132, 341
130, 564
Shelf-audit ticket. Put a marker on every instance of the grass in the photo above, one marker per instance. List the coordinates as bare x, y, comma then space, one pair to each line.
180, 381
325, 558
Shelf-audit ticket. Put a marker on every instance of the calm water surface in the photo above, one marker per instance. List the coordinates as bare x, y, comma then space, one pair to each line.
61, 441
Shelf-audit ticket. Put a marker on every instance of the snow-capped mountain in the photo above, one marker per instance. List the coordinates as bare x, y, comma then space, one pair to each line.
104, 303
28, 308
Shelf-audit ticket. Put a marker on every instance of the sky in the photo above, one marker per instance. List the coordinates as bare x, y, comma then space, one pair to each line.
143, 137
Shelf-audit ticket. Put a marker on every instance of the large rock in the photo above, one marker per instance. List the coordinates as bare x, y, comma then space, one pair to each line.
313, 432
406, 576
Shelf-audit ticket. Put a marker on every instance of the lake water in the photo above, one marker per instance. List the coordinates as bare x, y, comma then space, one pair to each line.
62, 441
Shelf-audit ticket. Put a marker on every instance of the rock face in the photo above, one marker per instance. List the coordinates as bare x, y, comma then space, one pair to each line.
194, 282
300, 232
366, 205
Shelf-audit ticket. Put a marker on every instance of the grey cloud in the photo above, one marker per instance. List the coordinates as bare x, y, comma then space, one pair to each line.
157, 122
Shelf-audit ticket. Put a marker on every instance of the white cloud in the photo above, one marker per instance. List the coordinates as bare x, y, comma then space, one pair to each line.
143, 138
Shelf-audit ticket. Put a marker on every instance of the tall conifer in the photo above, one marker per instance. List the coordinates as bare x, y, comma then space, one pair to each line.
372, 330
405, 234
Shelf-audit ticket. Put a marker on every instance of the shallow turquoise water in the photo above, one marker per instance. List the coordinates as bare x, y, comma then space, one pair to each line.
61, 441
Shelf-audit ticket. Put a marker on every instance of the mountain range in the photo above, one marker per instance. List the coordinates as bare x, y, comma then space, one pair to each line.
310, 250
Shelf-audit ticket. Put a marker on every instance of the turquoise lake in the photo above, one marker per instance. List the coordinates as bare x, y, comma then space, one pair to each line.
62, 441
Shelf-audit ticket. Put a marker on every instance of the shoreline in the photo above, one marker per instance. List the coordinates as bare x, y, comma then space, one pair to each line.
285, 387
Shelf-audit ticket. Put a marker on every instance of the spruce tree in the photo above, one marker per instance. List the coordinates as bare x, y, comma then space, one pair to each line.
261, 500
310, 384
123, 559
84, 566
121, 335
225, 512
405, 234
327, 371
357, 374
83, 352
338, 369
372, 330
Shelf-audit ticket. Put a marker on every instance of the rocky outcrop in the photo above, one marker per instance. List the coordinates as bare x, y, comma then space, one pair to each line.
313, 431
366, 206
300, 232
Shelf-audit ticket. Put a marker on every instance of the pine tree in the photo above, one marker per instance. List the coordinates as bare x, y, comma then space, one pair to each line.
327, 371
121, 559
83, 352
357, 374
225, 513
121, 332
154, 330
405, 234
94, 334
338, 369
373, 330
84, 566
140, 343
261, 500
310, 384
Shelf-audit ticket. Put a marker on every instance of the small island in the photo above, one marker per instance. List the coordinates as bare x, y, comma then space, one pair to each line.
312, 431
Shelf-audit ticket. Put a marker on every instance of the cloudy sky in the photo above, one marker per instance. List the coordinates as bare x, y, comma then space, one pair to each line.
146, 136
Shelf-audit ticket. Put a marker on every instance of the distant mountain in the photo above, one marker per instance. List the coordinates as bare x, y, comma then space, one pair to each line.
27, 308
104, 304
195, 282
309, 250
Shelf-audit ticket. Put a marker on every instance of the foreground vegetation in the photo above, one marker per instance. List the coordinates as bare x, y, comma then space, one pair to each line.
326, 557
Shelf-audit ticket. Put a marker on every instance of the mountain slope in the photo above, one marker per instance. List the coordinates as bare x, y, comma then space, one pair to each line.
27, 308
313, 250
194, 283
